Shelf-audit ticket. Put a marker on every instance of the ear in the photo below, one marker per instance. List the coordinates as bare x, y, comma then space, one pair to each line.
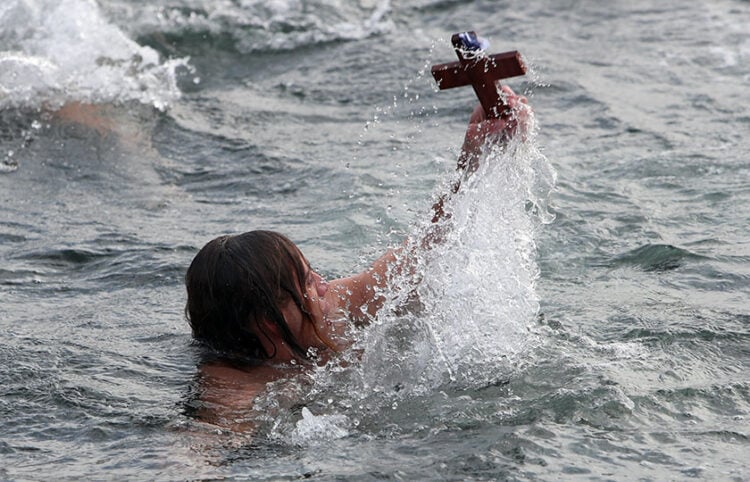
269, 327
292, 315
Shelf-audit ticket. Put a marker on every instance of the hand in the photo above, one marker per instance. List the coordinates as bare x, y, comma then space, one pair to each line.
482, 130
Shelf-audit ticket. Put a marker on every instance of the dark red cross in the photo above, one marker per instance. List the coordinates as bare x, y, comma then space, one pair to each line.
480, 70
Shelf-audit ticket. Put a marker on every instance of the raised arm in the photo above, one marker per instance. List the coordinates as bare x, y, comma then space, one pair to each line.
481, 132
360, 295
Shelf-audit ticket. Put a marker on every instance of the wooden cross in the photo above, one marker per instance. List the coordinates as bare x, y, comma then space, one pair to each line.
480, 70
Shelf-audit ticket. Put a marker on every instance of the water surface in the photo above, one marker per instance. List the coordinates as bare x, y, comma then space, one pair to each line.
610, 342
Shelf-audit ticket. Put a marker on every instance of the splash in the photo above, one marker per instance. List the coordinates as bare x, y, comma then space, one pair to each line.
476, 292
316, 428
53, 52
466, 323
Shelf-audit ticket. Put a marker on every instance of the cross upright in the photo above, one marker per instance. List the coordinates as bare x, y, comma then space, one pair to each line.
480, 70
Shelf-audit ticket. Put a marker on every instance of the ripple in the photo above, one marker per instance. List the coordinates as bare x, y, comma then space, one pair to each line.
96, 267
656, 257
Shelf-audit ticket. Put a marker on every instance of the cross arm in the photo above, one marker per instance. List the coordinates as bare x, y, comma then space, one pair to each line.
479, 70
499, 66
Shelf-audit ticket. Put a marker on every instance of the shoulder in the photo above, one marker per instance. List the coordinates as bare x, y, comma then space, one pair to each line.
228, 392
245, 382
360, 296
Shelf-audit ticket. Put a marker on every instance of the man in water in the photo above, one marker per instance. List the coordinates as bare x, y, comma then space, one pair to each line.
256, 304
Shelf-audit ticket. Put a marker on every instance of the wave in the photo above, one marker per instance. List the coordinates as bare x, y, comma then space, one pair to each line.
252, 25
101, 266
656, 257
77, 51
59, 51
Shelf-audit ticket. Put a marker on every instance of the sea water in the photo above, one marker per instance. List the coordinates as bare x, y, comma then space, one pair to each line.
586, 316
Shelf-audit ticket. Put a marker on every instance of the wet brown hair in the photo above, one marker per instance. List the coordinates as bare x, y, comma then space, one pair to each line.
236, 284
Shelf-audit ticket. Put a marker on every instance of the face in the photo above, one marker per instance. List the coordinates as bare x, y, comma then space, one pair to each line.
313, 294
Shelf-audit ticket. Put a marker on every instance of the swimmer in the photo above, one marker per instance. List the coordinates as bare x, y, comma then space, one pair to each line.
255, 301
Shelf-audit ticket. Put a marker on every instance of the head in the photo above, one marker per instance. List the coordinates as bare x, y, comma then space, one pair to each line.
248, 295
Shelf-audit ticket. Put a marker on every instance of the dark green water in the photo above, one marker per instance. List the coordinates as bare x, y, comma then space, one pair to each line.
612, 343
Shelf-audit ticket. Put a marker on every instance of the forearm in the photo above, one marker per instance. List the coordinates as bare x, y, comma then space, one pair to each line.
362, 293
480, 133
467, 164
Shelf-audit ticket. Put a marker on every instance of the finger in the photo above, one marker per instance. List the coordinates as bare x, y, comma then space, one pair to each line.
512, 101
491, 127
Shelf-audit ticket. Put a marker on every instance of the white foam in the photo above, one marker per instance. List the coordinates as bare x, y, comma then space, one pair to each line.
57, 51
312, 428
